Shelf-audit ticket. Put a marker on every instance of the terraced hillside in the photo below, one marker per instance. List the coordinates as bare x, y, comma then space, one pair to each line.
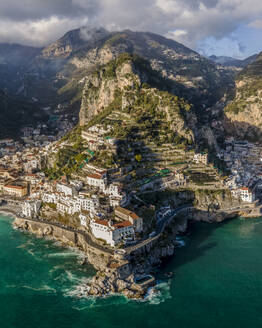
130, 122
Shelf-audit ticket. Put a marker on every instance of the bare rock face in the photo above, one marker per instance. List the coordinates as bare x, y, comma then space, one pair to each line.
99, 90
103, 285
244, 113
124, 84
48, 230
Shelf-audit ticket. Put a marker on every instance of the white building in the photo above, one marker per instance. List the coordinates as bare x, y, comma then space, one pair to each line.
68, 190
31, 208
112, 233
201, 158
78, 185
31, 165
83, 220
88, 204
97, 180
49, 198
247, 195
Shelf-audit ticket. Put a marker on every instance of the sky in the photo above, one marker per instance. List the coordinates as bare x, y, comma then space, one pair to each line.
220, 27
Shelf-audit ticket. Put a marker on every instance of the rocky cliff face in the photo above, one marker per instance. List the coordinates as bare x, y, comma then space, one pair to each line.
198, 79
129, 85
100, 89
59, 68
244, 113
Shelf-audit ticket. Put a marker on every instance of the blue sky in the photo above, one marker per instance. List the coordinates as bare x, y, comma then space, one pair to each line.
242, 43
221, 27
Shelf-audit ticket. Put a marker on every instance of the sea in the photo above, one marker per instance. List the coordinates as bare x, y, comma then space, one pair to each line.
216, 281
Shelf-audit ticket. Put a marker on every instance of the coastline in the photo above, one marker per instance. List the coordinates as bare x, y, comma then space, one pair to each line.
115, 273
9, 212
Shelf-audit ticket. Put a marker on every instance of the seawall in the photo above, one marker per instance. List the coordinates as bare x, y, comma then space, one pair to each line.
97, 257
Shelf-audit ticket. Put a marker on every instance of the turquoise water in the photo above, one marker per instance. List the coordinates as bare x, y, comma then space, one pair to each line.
217, 283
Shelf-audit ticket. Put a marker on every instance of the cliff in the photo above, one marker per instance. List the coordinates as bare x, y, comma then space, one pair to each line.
116, 271
129, 85
244, 112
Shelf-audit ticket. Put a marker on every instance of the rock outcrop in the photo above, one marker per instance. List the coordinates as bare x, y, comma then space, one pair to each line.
128, 84
244, 113
116, 273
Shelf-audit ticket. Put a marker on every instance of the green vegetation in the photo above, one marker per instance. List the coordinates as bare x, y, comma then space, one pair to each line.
138, 114
67, 161
51, 205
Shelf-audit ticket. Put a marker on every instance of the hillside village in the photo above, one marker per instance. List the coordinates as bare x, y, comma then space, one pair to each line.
103, 201
137, 140
142, 159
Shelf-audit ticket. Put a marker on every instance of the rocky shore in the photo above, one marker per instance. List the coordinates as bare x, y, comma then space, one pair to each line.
122, 272
127, 271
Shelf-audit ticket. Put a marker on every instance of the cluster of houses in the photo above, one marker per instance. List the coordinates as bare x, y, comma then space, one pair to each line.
71, 198
243, 159
122, 228
97, 135
201, 158
82, 198
97, 198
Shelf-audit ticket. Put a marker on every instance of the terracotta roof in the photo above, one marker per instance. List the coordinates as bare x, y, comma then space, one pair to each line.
95, 176
122, 224
102, 222
122, 210
244, 188
14, 187
134, 216
127, 212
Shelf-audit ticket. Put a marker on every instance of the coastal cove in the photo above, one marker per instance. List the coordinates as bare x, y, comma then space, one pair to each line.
217, 282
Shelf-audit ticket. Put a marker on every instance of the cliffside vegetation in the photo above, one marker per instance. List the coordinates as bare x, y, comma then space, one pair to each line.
136, 113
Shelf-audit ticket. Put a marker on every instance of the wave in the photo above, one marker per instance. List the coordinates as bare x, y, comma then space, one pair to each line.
159, 294
180, 242
31, 252
41, 288
28, 243
80, 288
63, 254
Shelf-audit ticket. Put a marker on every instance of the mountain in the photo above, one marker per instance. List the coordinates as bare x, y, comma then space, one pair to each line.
245, 110
16, 54
134, 104
233, 62
73, 41
57, 73
14, 62
17, 112
82, 51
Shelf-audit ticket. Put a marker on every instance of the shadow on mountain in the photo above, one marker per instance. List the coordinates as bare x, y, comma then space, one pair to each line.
242, 130
17, 112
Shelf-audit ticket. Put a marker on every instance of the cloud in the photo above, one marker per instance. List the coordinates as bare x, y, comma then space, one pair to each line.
211, 46
256, 24
37, 33
38, 22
